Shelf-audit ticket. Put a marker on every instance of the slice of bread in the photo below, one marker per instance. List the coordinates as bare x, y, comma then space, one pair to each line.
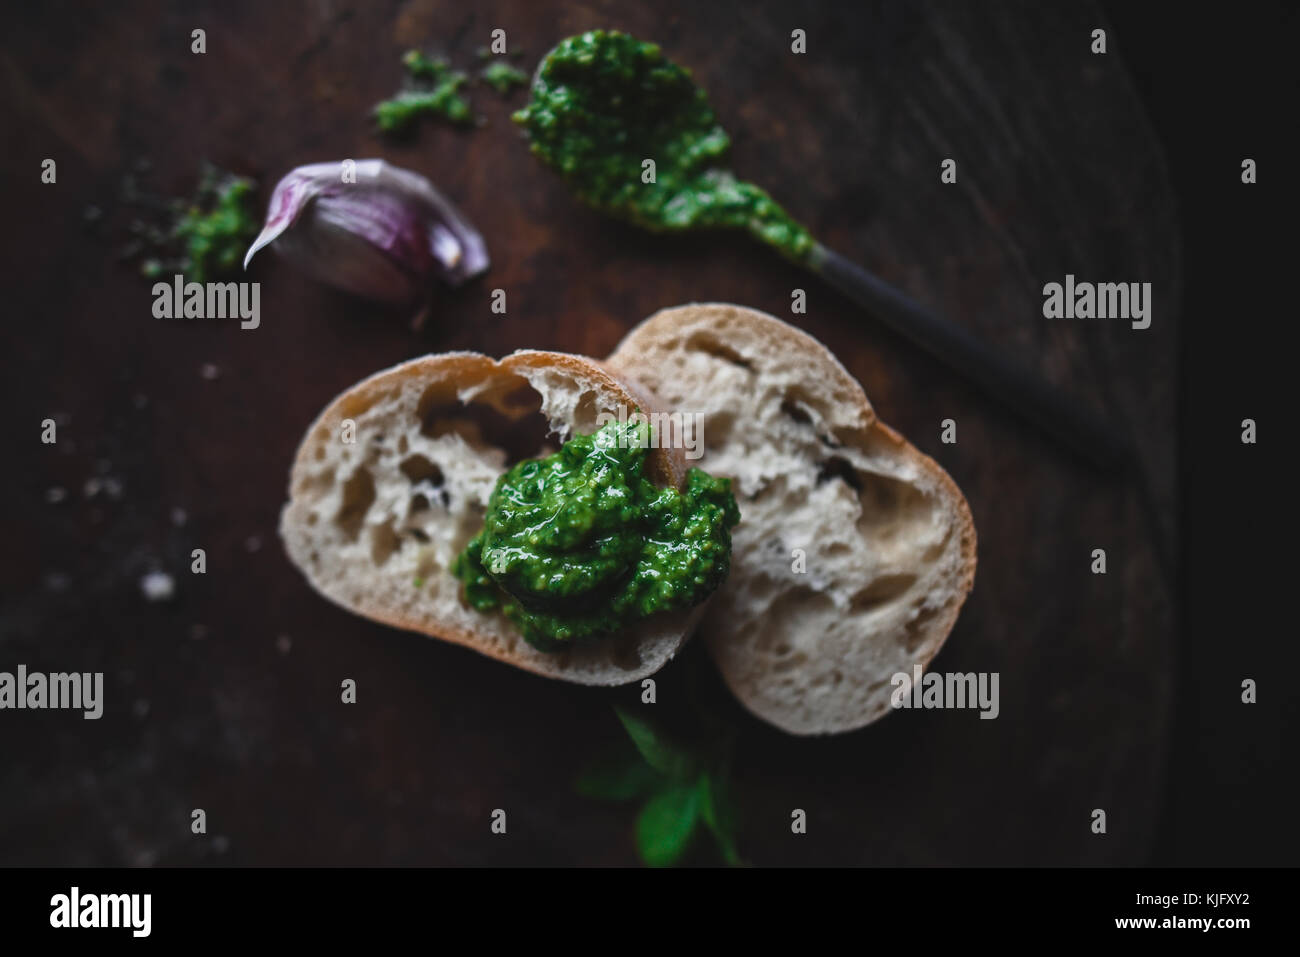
375, 522
809, 644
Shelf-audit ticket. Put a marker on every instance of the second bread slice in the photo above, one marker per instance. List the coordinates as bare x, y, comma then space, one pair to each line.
854, 551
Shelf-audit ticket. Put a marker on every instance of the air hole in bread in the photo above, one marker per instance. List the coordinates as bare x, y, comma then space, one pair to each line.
524, 398
777, 486
418, 504
838, 468
716, 428
312, 518
403, 446
789, 662
417, 468
894, 510
419, 535
883, 590
358, 496
799, 404
703, 342
845, 435
383, 542
314, 486
827, 681
320, 453
494, 419
584, 414
787, 614
795, 412
934, 551
426, 564
914, 631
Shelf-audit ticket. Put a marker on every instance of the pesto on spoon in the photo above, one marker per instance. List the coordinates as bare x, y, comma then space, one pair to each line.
604, 102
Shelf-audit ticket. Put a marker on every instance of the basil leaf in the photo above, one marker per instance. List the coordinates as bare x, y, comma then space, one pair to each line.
617, 779
660, 753
666, 824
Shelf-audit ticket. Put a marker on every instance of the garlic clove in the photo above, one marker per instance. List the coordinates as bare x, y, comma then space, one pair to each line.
381, 232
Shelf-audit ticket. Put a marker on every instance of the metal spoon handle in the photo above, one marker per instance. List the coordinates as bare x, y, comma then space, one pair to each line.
1024, 392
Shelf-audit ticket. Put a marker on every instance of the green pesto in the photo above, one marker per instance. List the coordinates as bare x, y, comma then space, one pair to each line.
503, 77
579, 544
604, 102
212, 231
437, 95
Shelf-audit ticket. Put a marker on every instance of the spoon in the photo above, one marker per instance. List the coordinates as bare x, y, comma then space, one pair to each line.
636, 139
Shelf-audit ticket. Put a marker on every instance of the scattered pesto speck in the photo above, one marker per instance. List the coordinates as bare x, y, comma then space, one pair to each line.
604, 103
421, 66
503, 77
576, 545
207, 234
435, 93
215, 234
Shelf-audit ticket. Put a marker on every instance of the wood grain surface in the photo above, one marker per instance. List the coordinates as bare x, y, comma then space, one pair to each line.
226, 698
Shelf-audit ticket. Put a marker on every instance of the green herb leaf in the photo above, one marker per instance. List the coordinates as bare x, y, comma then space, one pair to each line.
618, 779
666, 824
716, 811
660, 753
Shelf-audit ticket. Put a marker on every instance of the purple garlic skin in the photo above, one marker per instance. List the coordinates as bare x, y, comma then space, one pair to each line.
370, 228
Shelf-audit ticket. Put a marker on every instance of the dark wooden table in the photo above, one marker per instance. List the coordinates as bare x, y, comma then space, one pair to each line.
226, 697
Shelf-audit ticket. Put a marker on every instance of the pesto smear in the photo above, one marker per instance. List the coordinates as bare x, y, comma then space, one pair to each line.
576, 545
604, 102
